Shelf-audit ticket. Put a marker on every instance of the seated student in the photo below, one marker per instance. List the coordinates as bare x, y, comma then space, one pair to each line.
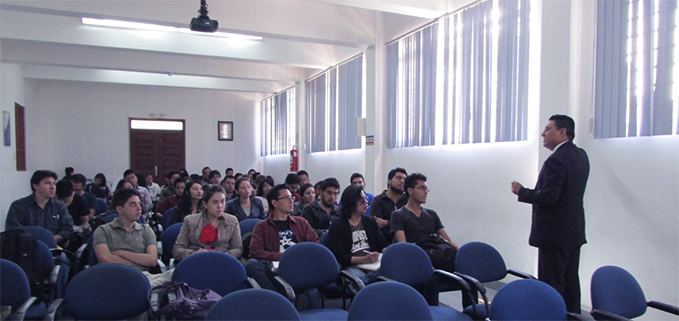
79, 181
41, 209
229, 185
125, 241
355, 238
167, 190
190, 203
153, 187
293, 181
358, 179
215, 177
245, 205
98, 187
323, 211
308, 196
265, 184
76, 204
271, 237
211, 230
171, 201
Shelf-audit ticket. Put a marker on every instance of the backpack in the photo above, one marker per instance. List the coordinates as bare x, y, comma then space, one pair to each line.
23, 249
178, 301
441, 253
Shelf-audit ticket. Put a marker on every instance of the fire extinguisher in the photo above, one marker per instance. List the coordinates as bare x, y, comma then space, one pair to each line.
293, 159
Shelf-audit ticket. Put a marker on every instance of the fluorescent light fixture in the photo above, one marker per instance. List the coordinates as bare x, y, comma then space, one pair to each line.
156, 124
154, 27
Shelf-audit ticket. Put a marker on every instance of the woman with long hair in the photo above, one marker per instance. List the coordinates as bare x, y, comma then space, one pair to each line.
355, 238
98, 187
211, 230
190, 202
245, 205
308, 193
265, 184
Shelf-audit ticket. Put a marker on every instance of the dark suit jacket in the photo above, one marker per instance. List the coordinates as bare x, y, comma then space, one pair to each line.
558, 211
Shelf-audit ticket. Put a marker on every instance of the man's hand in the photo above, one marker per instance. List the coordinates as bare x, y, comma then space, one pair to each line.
516, 187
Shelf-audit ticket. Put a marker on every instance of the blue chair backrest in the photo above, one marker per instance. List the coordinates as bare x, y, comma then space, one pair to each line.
41, 234
615, 290
165, 219
248, 224
217, 271
389, 301
168, 238
253, 304
100, 206
107, 292
407, 263
480, 261
14, 287
527, 300
306, 265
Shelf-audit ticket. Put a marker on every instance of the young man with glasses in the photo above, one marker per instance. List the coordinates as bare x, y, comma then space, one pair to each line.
322, 212
272, 236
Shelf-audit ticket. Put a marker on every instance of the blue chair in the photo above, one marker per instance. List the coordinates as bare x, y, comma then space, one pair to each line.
165, 219
104, 292
389, 301
616, 295
252, 304
168, 238
479, 263
528, 300
216, 271
408, 263
16, 293
100, 206
309, 265
246, 227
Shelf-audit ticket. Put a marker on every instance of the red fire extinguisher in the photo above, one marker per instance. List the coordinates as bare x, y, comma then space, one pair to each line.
293, 159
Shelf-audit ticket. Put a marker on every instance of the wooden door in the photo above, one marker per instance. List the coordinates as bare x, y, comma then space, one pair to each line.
157, 152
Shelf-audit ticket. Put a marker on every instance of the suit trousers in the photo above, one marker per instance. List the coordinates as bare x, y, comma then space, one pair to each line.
559, 268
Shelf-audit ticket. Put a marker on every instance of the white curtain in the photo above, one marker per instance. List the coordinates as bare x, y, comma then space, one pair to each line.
278, 123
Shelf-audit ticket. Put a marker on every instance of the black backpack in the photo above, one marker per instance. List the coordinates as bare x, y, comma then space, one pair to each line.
23, 249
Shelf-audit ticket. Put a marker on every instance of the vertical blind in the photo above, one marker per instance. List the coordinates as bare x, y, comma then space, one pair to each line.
334, 100
461, 79
635, 91
278, 123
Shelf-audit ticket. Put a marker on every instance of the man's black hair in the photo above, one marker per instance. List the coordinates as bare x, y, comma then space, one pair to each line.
350, 196
393, 172
213, 173
411, 181
292, 178
79, 178
64, 188
563, 121
355, 175
329, 182
302, 172
41, 174
128, 172
274, 193
120, 197
169, 174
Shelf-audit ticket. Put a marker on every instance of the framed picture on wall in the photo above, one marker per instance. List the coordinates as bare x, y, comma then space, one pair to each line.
225, 130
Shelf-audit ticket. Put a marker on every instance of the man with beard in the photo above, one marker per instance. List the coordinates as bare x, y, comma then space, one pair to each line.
390, 200
322, 212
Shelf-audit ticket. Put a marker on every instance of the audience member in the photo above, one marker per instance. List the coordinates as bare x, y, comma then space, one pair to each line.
237, 176
205, 179
229, 185
125, 241
215, 177
153, 187
228, 171
355, 238
358, 179
171, 201
168, 189
79, 181
271, 237
41, 209
303, 178
68, 171
76, 204
251, 172
293, 181
317, 189
183, 173
245, 205
98, 187
146, 201
390, 200
262, 189
123, 183
189, 203
211, 230
308, 197
323, 212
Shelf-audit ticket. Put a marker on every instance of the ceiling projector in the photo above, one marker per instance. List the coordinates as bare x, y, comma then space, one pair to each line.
203, 23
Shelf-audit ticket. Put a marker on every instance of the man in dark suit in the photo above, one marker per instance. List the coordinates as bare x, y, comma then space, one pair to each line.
558, 225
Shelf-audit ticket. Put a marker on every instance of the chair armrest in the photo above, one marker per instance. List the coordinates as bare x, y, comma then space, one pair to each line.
253, 284
51, 312
20, 312
521, 274
79, 252
664, 307
575, 316
605, 315
162, 266
289, 291
466, 288
54, 275
476, 287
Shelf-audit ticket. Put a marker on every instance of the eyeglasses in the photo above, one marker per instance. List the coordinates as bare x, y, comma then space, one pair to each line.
422, 188
289, 198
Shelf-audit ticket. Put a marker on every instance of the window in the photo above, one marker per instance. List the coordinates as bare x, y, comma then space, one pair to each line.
334, 101
461, 79
635, 89
278, 123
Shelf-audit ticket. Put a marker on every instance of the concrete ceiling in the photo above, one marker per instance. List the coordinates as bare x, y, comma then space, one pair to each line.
47, 40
